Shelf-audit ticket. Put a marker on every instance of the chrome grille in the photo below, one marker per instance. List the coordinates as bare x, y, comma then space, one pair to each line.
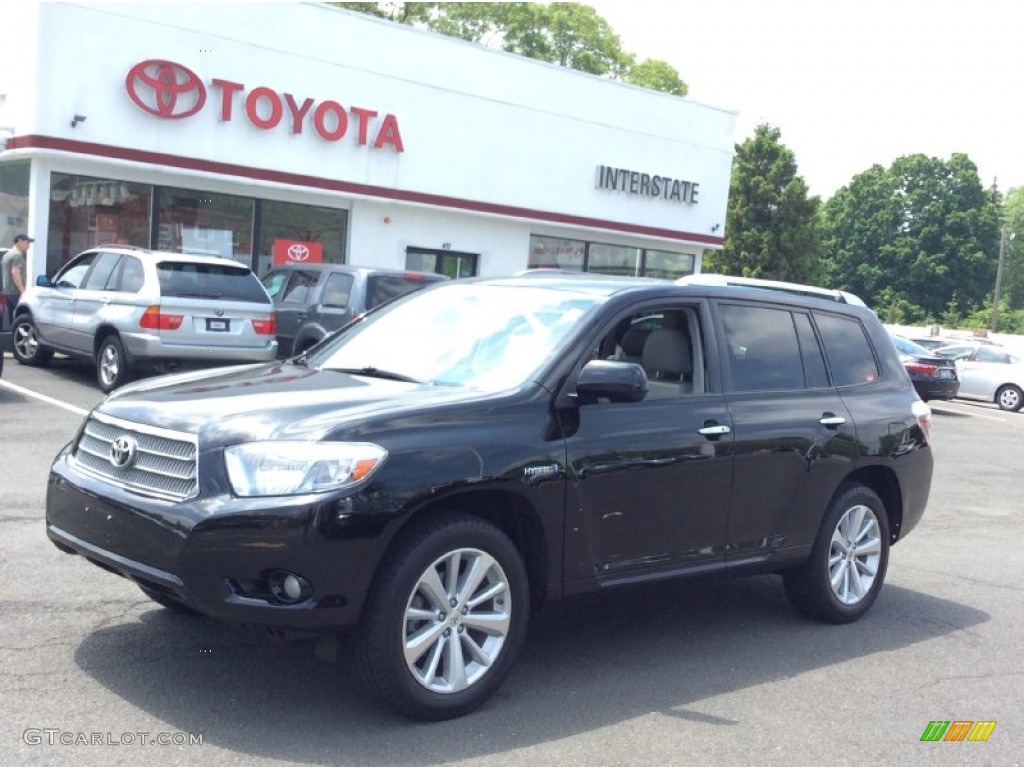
162, 463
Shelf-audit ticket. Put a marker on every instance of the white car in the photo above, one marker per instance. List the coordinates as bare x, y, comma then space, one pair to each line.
989, 373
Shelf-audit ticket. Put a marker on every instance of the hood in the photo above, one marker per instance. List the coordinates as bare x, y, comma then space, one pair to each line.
273, 401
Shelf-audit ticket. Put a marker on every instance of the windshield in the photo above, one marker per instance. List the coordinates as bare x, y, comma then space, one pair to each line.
487, 337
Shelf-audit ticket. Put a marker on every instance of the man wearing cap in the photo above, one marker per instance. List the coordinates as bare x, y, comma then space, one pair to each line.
14, 271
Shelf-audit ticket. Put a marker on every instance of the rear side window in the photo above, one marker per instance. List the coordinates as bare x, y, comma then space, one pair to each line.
209, 281
762, 348
383, 288
129, 276
337, 290
848, 349
101, 271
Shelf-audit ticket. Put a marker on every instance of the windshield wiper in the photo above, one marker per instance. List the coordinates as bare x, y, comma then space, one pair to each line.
378, 373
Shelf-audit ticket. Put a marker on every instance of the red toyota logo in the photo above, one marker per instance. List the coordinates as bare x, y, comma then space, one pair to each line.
298, 252
165, 89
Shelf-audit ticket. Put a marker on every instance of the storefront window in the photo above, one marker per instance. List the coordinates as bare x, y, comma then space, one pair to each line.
613, 260
86, 211
454, 264
668, 265
321, 230
191, 221
13, 201
552, 252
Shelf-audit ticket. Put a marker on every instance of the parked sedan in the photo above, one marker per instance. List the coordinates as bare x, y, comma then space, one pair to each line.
989, 373
934, 377
935, 342
314, 300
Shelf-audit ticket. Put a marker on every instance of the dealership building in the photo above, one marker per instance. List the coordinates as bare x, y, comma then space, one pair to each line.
302, 132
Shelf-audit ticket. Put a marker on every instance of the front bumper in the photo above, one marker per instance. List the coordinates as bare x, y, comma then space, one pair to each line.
218, 554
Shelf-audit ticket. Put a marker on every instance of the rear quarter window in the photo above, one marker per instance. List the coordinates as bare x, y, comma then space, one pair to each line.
210, 281
849, 352
387, 287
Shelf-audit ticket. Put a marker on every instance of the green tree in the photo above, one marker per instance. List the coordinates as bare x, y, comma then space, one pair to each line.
1013, 261
924, 228
569, 34
772, 225
658, 76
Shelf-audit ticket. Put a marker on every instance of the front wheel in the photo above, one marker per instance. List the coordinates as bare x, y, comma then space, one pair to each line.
27, 348
844, 573
445, 619
1010, 398
112, 369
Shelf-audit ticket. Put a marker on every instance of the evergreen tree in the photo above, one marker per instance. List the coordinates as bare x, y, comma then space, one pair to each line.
772, 225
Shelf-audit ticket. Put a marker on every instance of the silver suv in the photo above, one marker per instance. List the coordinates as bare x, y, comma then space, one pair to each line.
126, 308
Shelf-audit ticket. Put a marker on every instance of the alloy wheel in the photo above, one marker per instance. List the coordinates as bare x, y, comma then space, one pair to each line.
25, 341
854, 555
110, 365
456, 620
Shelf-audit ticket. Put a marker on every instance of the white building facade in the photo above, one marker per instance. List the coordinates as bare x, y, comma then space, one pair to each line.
283, 132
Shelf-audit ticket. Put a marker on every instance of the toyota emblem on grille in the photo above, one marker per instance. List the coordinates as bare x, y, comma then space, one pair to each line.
122, 452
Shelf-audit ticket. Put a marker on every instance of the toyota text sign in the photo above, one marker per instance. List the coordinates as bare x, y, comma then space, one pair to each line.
172, 91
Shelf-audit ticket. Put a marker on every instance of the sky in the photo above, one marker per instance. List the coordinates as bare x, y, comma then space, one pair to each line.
849, 84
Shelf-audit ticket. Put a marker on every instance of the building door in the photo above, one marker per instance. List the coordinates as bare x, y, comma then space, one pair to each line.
453, 264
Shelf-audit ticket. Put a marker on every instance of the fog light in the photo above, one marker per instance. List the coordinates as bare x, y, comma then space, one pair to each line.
287, 587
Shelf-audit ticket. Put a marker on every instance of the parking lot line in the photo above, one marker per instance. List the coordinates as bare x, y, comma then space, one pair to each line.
44, 398
969, 411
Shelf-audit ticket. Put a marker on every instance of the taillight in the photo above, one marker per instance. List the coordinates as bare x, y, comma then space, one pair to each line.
266, 326
154, 319
922, 368
923, 414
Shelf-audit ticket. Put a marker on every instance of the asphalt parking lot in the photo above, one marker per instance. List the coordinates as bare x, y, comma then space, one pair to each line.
723, 673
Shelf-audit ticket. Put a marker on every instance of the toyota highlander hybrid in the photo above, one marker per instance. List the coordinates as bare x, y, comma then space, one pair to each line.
448, 463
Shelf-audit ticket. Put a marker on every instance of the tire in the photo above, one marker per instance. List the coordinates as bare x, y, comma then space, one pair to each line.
840, 582
112, 367
28, 350
1010, 398
168, 602
411, 599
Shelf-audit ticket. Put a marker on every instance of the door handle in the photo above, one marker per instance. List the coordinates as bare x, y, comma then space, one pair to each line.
714, 431
830, 420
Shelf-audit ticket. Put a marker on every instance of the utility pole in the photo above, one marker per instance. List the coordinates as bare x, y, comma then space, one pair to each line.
999, 280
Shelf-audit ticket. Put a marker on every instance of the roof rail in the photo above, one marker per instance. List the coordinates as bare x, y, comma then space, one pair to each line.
121, 245
707, 278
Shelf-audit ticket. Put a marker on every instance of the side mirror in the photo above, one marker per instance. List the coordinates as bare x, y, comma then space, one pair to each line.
44, 282
613, 380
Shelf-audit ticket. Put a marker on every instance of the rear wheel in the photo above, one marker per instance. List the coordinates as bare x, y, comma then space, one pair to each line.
843, 576
445, 619
1010, 398
112, 369
27, 348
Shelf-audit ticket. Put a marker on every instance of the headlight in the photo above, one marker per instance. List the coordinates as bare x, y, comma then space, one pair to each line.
283, 468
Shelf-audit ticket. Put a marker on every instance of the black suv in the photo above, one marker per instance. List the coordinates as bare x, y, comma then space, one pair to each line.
448, 463
314, 300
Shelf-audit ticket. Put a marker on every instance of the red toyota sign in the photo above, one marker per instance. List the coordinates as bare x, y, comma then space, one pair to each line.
297, 252
165, 89
172, 91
